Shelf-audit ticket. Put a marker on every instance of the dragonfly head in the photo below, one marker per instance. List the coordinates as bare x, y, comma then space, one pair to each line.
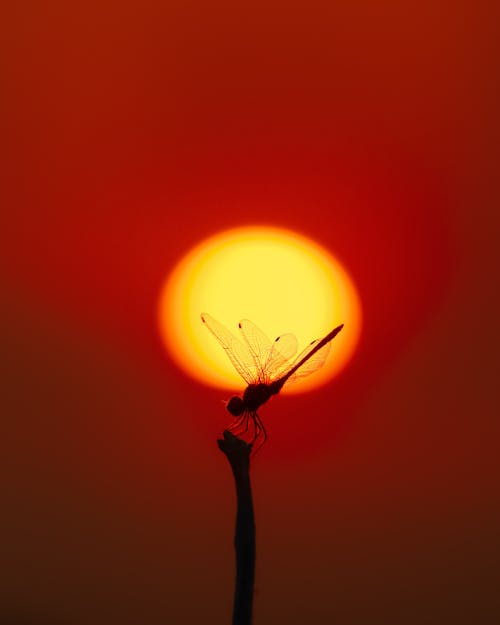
235, 406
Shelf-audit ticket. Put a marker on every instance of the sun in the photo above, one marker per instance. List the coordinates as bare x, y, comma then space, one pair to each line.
280, 280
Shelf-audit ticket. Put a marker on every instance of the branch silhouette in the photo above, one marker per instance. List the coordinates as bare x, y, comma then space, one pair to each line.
238, 452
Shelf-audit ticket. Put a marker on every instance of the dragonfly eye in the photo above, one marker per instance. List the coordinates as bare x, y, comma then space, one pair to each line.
235, 406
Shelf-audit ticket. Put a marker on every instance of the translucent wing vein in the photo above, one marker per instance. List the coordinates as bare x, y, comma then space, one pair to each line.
237, 352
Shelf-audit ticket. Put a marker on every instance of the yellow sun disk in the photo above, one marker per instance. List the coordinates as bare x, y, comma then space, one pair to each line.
281, 281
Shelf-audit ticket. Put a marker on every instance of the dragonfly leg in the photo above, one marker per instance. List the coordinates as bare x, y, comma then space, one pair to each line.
237, 424
258, 431
249, 425
261, 430
244, 424
256, 427
247, 421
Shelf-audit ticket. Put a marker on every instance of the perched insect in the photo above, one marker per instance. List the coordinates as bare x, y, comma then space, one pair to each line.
265, 366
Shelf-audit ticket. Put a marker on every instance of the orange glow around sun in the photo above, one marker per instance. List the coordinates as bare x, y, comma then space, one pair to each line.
280, 280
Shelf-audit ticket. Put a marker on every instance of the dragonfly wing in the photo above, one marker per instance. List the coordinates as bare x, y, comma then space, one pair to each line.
312, 358
238, 353
312, 364
280, 357
259, 345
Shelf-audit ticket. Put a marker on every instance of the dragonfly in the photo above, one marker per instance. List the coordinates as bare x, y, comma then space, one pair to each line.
265, 366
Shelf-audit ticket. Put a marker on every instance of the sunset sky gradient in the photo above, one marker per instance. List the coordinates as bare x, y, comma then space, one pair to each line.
131, 131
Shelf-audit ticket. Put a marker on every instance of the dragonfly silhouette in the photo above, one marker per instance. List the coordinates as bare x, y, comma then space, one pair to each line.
265, 366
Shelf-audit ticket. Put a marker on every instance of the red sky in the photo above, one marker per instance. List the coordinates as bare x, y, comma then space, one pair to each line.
130, 132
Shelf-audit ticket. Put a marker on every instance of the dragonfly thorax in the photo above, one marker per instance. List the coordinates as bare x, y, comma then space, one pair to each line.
255, 395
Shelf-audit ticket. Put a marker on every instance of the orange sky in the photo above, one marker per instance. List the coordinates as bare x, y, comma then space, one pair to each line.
132, 131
